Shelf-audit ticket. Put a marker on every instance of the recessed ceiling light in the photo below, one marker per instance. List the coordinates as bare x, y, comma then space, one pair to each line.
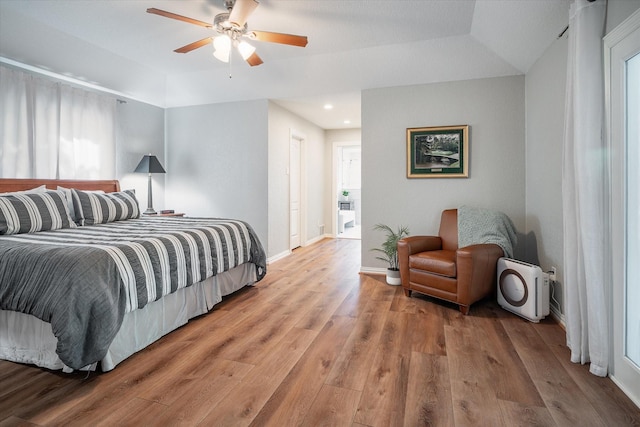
328, 106
346, 122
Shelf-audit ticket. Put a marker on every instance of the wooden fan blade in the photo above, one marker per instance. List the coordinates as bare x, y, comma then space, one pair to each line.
241, 11
194, 45
290, 39
254, 60
178, 17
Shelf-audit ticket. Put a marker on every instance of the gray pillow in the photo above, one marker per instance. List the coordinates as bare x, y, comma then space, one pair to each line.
93, 208
31, 212
69, 197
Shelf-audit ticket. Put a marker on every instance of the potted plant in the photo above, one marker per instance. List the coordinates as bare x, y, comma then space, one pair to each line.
389, 251
345, 195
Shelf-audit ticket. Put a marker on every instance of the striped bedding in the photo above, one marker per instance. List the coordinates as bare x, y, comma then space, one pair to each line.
83, 280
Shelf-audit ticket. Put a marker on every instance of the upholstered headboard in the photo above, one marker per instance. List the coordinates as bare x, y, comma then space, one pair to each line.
14, 184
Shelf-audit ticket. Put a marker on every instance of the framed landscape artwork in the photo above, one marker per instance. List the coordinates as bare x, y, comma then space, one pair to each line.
438, 152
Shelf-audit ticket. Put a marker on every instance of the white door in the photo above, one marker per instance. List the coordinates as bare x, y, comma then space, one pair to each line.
622, 54
294, 193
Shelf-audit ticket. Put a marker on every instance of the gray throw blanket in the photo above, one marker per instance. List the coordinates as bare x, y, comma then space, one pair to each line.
477, 225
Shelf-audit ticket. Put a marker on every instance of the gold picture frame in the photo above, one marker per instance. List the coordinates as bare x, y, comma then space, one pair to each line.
438, 152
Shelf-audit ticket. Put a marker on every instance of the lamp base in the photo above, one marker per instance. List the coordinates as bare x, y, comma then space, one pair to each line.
149, 211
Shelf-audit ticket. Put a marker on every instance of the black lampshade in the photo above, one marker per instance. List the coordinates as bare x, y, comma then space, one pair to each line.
149, 164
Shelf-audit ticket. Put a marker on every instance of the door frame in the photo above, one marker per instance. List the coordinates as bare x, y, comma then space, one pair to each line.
302, 138
335, 150
623, 372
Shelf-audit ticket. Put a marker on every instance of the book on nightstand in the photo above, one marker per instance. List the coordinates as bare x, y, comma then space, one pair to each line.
167, 211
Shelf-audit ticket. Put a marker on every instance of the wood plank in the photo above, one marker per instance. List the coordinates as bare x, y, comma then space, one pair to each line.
356, 301
11, 371
602, 393
501, 357
41, 395
427, 331
473, 397
195, 402
292, 400
86, 396
243, 403
135, 412
252, 339
334, 406
15, 387
182, 381
428, 392
353, 363
320, 313
564, 399
15, 422
215, 340
382, 291
384, 396
415, 304
515, 413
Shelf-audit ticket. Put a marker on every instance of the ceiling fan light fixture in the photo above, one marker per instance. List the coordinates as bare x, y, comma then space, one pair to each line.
222, 43
230, 27
245, 49
222, 56
222, 46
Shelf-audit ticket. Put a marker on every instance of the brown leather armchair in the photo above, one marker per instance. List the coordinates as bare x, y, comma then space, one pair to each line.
435, 266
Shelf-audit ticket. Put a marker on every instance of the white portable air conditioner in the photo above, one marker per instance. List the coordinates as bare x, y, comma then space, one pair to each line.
523, 289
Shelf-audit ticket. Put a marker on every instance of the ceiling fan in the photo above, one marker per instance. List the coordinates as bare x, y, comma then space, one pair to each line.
231, 27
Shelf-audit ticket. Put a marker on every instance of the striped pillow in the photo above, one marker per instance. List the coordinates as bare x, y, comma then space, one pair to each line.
31, 212
94, 208
69, 197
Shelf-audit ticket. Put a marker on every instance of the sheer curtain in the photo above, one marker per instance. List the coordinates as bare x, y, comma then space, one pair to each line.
583, 189
52, 130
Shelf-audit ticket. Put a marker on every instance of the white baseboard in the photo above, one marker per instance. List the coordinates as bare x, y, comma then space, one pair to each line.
373, 270
278, 256
317, 239
559, 317
286, 253
634, 399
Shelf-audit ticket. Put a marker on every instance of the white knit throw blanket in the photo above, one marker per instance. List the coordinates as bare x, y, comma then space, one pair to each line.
477, 225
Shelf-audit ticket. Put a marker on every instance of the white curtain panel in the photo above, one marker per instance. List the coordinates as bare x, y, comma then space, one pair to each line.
52, 130
583, 193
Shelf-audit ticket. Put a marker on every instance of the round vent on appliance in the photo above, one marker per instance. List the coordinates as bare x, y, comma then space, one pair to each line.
513, 287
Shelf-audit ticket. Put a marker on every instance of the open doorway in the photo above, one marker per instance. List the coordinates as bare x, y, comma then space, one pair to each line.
347, 190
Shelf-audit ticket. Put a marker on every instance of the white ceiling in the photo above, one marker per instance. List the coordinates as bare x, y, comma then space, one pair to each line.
353, 45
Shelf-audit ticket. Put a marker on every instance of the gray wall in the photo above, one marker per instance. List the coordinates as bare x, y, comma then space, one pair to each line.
545, 89
140, 131
281, 123
217, 161
495, 111
618, 11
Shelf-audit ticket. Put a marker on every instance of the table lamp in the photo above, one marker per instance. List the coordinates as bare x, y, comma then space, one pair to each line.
149, 164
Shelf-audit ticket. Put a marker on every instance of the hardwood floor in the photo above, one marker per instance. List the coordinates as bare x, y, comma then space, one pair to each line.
317, 344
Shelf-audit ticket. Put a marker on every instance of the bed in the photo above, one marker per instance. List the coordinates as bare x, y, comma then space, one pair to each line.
87, 291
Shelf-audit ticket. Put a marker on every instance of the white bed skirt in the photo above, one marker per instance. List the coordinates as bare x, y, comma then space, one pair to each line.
27, 339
